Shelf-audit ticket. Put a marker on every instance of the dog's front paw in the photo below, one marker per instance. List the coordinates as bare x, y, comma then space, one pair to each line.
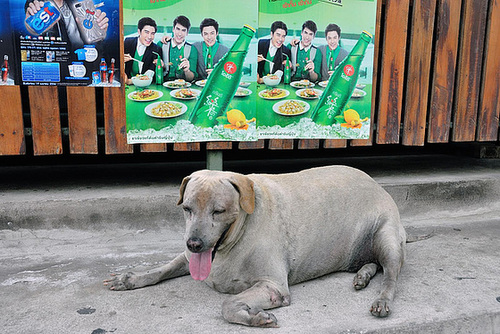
261, 318
381, 308
121, 282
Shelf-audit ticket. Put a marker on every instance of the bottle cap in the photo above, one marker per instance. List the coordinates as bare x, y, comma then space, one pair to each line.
249, 27
367, 33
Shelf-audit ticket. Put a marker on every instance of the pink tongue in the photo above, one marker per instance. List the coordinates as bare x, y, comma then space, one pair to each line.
200, 265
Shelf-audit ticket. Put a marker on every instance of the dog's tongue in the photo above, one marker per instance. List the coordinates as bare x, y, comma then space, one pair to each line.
200, 265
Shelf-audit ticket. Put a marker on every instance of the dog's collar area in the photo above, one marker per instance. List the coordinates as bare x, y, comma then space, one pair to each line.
219, 242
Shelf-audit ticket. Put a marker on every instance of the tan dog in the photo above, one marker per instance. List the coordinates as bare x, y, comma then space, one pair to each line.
255, 235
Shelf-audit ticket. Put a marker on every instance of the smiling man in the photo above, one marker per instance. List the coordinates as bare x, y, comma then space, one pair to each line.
332, 53
210, 51
179, 57
271, 51
141, 48
306, 60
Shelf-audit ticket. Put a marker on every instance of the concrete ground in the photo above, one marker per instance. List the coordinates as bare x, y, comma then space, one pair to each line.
63, 230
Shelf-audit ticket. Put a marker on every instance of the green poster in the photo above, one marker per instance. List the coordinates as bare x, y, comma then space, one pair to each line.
244, 70
315, 68
190, 70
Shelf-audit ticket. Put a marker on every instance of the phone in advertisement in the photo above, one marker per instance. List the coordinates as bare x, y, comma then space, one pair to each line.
84, 12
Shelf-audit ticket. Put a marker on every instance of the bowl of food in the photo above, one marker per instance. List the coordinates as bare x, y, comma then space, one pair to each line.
271, 80
141, 80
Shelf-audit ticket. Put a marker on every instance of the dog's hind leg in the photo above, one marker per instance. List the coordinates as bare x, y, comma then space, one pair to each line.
389, 247
247, 307
364, 275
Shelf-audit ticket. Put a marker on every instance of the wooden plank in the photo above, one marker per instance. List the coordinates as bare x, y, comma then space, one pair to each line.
219, 145
335, 143
489, 103
188, 147
392, 71
281, 144
469, 70
45, 120
11, 124
115, 126
376, 56
82, 120
251, 145
308, 144
161, 147
419, 65
443, 80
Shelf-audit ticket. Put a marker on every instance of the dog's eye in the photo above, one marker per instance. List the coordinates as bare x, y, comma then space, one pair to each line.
218, 212
187, 209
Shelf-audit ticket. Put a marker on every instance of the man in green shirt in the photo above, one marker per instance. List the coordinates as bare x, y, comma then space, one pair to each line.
332, 53
179, 57
210, 51
306, 60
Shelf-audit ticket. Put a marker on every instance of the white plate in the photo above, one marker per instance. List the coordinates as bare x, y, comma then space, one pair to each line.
244, 92
261, 94
358, 93
195, 91
280, 103
160, 94
201, 83
323, 83
300, 91
245, 84
149, 108
173, 85
297, 84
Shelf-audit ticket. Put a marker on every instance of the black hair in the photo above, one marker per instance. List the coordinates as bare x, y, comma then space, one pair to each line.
146, 21
208, 22
310, 25
278, 25
332, 27
183, 21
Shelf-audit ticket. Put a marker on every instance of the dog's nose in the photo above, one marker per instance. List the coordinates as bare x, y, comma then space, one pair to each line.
195, 245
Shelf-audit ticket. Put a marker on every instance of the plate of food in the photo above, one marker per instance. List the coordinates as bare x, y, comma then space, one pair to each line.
273, 94
360, 86
145, 95
185, 93
291, 107
323, 83
201, 83
165, 109
308, 93
242, 92
302, 84
245, 84
179, 83
358, 93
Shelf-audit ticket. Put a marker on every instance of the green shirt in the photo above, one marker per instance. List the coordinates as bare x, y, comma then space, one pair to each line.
303, 57
176, 55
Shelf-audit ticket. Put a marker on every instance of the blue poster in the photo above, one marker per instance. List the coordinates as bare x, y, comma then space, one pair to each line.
6, 50
66, 42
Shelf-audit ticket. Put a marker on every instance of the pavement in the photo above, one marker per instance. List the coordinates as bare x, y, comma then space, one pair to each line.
64, 229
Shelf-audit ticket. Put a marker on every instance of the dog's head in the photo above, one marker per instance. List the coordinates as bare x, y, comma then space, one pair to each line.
212, 201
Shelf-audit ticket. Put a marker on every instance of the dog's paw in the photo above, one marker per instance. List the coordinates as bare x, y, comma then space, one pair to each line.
261, 318
121, 282
381, 308
361, 281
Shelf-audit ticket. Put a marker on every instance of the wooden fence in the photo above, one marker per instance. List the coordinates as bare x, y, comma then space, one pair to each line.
436, 80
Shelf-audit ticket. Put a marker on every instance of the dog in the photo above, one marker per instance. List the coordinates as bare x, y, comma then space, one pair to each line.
254, 235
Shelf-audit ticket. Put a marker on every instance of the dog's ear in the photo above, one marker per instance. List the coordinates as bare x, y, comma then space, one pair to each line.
183, 187
247, 194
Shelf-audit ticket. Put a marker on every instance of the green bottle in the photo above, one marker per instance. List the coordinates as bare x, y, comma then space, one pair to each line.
222, 83
158, 70
341, 84
286, 73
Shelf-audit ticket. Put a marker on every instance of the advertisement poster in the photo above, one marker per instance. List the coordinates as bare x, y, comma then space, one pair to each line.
66, 42
317, 81
6, 50
170, 48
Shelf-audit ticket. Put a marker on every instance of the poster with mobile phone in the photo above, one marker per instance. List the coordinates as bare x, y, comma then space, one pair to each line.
66, 42
6, 51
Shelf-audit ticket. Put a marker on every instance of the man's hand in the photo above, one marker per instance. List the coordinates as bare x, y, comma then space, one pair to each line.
294, 42
260, 58
33, 8
102, 20
165, 39
127, 57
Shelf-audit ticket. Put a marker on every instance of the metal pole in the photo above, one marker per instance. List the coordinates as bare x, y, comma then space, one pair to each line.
215, 160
